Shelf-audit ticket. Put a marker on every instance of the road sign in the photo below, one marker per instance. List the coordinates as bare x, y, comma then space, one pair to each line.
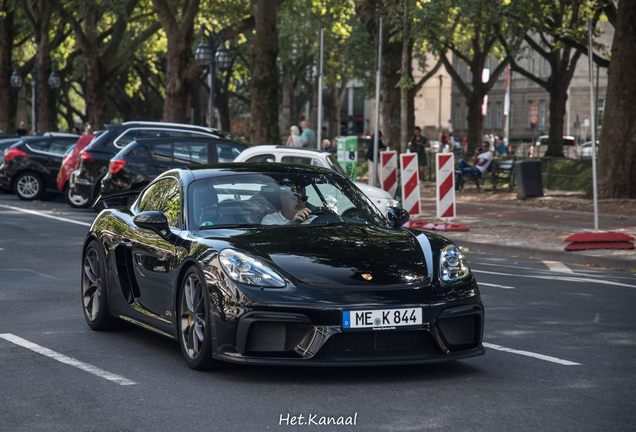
533, 111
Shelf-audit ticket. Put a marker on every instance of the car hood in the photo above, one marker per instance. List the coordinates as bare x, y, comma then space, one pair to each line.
373, 192
349, 257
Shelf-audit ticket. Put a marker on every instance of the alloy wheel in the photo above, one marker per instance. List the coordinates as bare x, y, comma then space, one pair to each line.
91, 284
28, 186
192, 316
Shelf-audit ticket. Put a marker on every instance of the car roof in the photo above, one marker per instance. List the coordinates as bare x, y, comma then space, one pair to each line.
221, 169
281, 148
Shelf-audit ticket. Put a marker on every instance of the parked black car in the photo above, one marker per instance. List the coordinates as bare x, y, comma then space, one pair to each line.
142, 160
7, 142
31, 165
94, 160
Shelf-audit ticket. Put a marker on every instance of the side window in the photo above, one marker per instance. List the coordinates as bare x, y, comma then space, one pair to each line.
295, 159
39, 145
227, 152
60, 146
262, 158
161, 152
190, 152
164, 196
125, 138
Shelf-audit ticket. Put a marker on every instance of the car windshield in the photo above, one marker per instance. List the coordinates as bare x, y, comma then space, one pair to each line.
260, 200
335, 165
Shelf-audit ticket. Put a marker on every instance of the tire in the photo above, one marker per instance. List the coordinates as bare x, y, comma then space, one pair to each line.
29, 186
75, 201
95, 289
195, 325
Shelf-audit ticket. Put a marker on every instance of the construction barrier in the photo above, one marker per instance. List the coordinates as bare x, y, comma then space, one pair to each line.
388, 172
599, 240
445, 186
410, 183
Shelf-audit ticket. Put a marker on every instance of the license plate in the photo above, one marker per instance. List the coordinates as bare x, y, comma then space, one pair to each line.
381, 318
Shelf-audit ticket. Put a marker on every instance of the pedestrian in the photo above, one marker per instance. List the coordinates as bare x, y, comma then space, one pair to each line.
464, 146
75, 130
21, 131
326, 145
481, 160
87, 129
371, 157
444, 139
308, 137
294, 137
418, 144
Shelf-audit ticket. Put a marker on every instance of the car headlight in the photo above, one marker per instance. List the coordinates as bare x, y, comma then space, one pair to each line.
248, 270
452, 265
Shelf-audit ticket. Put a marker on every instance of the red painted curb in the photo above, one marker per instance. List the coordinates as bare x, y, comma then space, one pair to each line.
599, 245
600, 237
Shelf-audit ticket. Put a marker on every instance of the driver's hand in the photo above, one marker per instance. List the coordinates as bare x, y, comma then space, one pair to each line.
302, 215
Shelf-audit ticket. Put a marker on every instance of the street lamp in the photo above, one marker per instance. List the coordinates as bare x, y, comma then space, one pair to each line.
208, 55
54, 83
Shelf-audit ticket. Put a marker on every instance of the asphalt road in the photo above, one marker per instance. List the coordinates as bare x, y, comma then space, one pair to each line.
561, 344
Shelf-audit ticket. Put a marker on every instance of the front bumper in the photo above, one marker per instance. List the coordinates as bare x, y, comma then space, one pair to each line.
450, 332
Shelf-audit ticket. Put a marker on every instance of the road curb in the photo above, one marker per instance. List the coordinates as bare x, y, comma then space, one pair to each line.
624, 264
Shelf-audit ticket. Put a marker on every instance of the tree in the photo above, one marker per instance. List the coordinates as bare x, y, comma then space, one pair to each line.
264, 85
105, 52
7, 36
182, 72
617, 152
471, 29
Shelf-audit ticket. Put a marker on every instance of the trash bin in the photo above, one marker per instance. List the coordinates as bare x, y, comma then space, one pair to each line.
528, 174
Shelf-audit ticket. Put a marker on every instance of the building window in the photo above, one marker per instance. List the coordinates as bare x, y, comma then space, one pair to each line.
544, 67
542, 114
469, 74
488, 117
458, 116
499, 118
533, 55
599, 112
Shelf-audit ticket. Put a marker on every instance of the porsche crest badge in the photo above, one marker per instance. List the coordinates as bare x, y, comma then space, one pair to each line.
367, 277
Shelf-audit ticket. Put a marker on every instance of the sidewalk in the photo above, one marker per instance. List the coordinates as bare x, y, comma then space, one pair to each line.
500, 223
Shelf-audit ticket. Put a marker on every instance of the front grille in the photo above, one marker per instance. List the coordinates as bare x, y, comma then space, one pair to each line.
462, 331
275, 336
376, 341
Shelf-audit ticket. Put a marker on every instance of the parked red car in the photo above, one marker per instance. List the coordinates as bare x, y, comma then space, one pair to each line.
70, 164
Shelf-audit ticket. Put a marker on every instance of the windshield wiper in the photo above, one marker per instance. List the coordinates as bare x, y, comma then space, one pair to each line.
236, 225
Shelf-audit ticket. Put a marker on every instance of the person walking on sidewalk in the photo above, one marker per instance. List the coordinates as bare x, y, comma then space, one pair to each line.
308, 137
418, 144
482, 160
371, 158
294, 137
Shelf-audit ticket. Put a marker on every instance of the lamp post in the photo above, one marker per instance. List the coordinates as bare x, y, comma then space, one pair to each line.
207, 54
53, 81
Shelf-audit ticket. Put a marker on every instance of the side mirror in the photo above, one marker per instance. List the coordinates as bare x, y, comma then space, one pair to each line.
152, 220
396, 216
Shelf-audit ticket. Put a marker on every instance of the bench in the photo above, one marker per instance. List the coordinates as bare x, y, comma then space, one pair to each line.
499, 171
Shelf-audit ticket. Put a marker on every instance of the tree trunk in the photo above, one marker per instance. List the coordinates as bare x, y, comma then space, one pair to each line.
475, 120
96, 95
332, 111
405, 78
43, 61
558, 97
264, 84
288, 92
223, 103
9, 99
390, 93
617, 151
180, 76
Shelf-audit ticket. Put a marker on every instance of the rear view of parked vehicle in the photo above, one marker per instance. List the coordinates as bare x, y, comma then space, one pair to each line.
69, 164
95, 158
144, 159
31, 165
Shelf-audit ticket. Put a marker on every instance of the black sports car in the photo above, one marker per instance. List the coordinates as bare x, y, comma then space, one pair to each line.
261, 263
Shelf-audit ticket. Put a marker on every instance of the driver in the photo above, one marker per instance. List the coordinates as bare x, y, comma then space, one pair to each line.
293, 208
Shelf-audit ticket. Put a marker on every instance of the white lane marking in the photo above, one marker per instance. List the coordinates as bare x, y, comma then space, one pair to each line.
557, 266
560, 278
531, 354
66, 360
45, 215
495, 285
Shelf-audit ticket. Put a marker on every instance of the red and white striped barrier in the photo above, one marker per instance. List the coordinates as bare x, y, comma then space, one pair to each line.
410, 183
388, 173
445, 186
